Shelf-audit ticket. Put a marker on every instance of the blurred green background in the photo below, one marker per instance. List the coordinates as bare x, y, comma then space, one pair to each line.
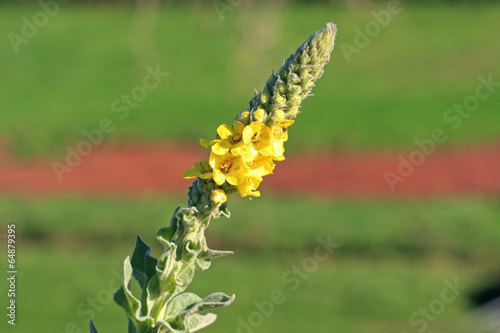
394, 255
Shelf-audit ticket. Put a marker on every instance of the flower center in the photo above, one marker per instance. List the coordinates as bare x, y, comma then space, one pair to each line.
256, 138
226, 166
235, 138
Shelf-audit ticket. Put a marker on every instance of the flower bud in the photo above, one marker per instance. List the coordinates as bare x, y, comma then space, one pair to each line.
218, 196
264, 97
260, 115
244, 117
280, 115
280, 100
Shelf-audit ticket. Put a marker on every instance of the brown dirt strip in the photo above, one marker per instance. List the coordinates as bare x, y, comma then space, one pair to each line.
157, 169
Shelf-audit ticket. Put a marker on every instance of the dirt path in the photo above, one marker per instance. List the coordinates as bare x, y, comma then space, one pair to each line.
138, 170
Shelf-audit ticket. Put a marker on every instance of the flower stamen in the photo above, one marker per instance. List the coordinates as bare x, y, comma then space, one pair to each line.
235, 138
256, 138
225, 166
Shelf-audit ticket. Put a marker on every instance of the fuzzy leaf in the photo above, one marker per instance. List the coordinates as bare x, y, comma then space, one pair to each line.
123, 297
212, 301
180, 303
204, 258
163, 285
186, 276
196, 322
222, 211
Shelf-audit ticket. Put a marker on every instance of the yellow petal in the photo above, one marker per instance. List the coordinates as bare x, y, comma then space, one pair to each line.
248, 133
237, 172
225, 131
253, 194
219, 178
250, 155
221, 147
266, 150
240, 148
262, 166
248, 187
277, 150
238, 127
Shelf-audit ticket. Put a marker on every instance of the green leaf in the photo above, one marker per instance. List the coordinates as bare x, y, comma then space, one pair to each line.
92, 327
131, 327
143, 265
212, 301
186, 276
165, 235
196, 322
183, 311
123, 297
180, 303
164, 327
163, 285
204, 258
222, 211
167, 263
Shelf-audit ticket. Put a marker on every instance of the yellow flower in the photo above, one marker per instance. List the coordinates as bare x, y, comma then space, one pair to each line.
202, 169
218, 196
248, 187
230, 140
228, 168
260, 167
258, 136
279, 135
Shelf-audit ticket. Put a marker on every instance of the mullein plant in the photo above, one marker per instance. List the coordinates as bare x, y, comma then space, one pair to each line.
240, 155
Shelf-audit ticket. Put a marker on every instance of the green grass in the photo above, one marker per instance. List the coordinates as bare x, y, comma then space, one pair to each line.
395, 91
393, 258
454, 228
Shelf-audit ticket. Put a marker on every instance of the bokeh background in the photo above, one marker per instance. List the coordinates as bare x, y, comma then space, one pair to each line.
63, 66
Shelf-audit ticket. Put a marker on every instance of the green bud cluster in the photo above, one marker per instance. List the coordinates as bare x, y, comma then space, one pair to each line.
292, 83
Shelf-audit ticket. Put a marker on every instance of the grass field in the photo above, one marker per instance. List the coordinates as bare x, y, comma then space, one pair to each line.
393, 259
396, 90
